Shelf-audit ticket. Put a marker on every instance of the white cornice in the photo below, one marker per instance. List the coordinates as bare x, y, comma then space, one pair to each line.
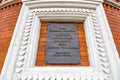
63, 0
73, 3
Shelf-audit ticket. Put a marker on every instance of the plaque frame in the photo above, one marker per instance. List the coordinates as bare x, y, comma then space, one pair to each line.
104, 61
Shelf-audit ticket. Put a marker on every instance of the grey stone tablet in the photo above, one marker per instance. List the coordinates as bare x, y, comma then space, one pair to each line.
62, 44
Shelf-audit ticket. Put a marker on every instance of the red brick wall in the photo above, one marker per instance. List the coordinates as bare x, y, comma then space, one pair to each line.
113, 16
40, 61
8, 17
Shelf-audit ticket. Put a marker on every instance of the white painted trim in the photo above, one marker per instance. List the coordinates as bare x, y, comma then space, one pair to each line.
23, 47
109, 44
32, 49
62, 18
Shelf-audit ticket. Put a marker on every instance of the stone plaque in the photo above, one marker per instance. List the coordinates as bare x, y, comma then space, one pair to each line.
62, 44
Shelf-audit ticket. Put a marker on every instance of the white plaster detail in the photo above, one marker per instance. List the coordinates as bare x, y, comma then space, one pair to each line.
26, 36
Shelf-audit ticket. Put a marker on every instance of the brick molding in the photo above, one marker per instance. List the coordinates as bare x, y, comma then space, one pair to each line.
10, 4
104, 63
117, 2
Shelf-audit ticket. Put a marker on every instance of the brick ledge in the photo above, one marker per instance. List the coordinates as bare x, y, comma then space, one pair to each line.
111, 4
12, 3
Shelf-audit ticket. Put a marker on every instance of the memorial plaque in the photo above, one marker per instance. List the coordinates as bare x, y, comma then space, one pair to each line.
62, 44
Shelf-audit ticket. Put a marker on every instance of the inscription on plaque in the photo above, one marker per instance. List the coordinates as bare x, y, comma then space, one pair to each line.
62, 44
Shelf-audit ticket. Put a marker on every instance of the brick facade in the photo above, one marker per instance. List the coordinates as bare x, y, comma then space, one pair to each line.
9, 14
8, 17
113, 16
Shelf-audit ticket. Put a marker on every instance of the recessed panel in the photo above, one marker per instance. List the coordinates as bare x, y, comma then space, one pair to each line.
62, 44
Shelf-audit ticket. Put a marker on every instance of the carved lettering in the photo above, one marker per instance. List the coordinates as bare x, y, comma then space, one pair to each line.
62, 44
